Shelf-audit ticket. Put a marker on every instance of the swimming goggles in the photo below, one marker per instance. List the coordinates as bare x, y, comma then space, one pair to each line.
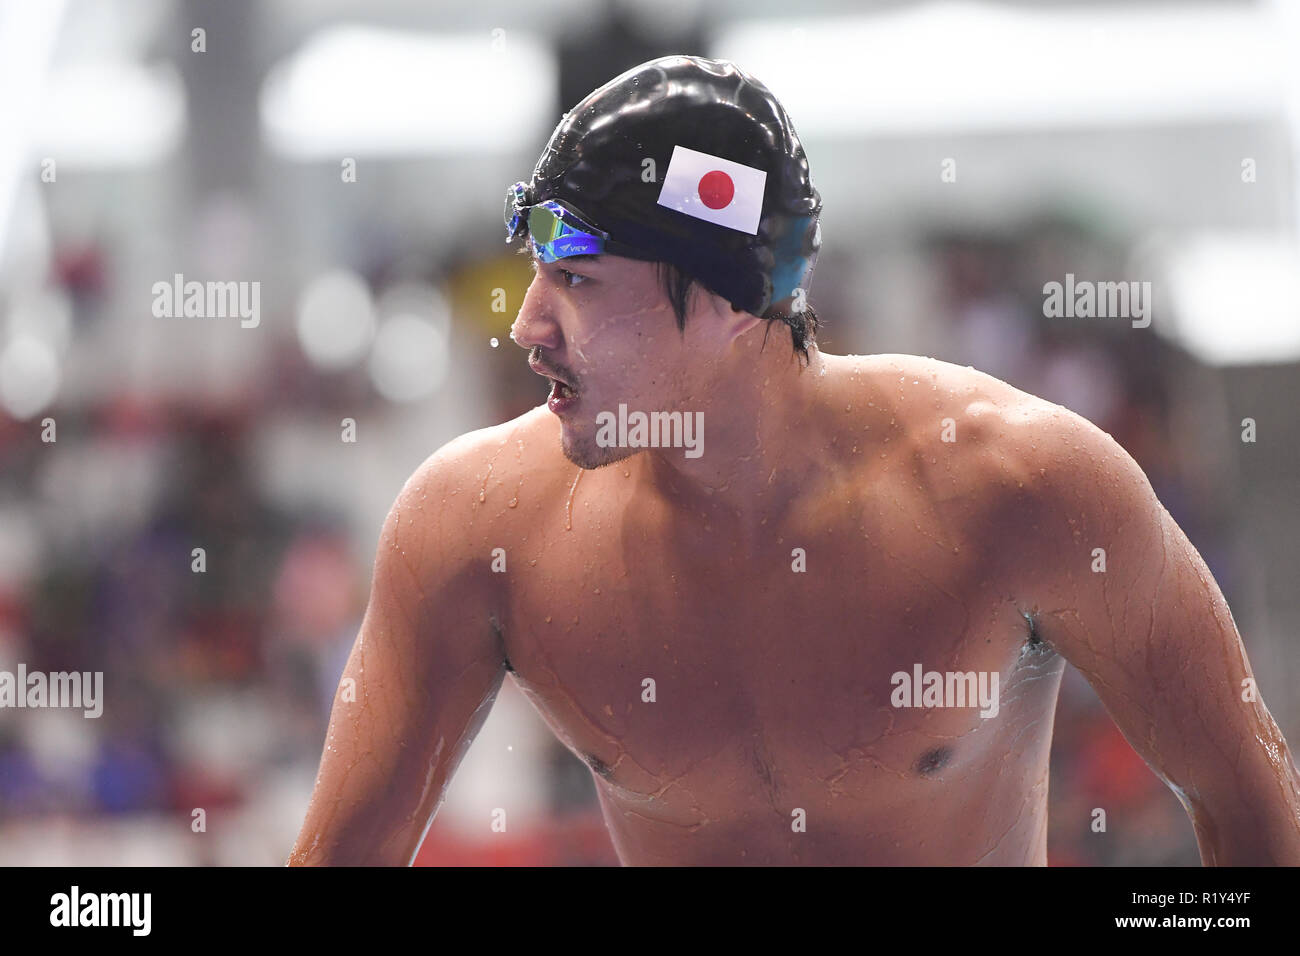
558, 230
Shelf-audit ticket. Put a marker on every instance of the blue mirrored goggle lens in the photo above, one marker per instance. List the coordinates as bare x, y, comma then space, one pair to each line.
556, 231
555, 238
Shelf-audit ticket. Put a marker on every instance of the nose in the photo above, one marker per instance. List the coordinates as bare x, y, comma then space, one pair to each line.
535, 325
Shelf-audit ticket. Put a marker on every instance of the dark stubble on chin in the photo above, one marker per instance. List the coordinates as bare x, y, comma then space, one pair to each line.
590, 456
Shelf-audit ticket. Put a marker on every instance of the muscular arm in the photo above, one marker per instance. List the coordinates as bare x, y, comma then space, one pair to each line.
417, 687
1156, 640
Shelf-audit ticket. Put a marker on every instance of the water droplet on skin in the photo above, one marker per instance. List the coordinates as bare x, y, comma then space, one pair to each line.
568, 511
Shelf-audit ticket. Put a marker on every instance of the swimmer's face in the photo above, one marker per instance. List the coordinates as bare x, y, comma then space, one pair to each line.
604, 327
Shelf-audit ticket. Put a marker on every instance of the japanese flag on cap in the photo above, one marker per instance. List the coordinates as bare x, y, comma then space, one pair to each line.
714, 189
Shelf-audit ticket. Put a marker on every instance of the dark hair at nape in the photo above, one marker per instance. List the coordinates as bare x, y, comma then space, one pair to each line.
678, 286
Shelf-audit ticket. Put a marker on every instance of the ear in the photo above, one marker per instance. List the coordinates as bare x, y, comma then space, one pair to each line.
732, 321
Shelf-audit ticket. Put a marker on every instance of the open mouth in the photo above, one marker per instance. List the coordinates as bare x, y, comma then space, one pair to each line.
563, 395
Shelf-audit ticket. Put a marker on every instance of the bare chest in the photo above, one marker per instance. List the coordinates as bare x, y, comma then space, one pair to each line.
858, 661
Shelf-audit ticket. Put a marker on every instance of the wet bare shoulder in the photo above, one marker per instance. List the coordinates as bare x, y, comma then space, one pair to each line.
465, 494
521, 469
991, 423
992, 454
968, 425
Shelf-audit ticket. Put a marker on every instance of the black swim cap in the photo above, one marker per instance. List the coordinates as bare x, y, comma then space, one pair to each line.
696, 118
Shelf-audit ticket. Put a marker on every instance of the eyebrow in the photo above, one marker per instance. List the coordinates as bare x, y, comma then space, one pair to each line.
581, 258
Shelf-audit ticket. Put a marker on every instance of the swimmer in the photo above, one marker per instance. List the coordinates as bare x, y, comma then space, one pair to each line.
807, 608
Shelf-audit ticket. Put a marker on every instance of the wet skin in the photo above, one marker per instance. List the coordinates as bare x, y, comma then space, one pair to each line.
771, 738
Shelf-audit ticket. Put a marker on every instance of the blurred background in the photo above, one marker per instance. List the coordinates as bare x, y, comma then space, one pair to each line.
352, 159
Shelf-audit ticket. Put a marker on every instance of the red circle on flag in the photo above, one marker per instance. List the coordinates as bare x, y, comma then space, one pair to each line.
716, 189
